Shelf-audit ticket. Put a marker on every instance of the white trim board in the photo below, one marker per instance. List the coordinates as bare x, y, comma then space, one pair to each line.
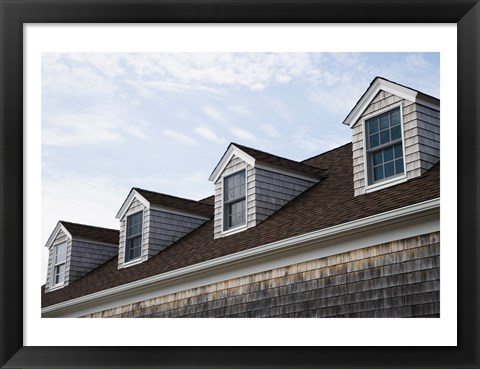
59, 227
393, 88
396, 224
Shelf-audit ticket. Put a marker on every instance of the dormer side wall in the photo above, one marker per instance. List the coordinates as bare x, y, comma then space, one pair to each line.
421, 137
273, 190
86, 255
61, 237
165, 228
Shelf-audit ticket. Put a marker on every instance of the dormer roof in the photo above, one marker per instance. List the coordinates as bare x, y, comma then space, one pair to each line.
381, 84
167, 203
257, 158
85, 232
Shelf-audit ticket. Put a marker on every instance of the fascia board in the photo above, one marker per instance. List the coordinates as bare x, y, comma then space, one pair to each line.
232, 151
379, 84
131, 196
59, 227
261, 251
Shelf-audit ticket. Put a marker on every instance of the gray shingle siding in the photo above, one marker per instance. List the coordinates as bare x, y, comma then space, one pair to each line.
267, 191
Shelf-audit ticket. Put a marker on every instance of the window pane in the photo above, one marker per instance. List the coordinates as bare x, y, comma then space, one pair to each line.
396, 133
378, 173
377, 158
399, 166
398, 151
234, 186
388, 154
384, 122
395, 117
389, 169
373, 126
384, 137
374, 141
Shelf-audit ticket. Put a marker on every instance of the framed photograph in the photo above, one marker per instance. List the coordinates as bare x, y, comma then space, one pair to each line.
371, 251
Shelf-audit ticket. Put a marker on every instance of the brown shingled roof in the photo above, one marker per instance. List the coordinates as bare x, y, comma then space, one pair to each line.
190, 206
282, 163
89, 232
328, 203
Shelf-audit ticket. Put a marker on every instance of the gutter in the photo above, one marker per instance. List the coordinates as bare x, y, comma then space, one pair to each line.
257, 252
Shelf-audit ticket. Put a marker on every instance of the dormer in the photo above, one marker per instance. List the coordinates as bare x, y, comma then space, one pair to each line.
395, 135
151, 221
76, 249
250, 185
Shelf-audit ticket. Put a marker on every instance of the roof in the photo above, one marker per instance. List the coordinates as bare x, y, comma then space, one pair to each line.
253, 157
92, 233
283, 163
174, 202
328, 203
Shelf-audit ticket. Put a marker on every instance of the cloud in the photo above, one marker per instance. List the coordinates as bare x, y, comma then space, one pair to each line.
270, 130
243, 134
214, 114
74, 130
178, 136
208, 134
310, 143
242, 110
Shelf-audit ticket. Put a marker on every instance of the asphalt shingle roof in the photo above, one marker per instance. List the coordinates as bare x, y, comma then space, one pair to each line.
328, 203
91, 233
196, 207
282, 163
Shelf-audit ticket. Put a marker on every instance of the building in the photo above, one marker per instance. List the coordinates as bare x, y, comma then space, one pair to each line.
353, 232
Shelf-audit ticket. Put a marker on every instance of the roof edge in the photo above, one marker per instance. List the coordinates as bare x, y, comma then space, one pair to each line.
274, 247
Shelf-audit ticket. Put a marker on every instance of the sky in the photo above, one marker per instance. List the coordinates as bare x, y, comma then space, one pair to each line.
160, 121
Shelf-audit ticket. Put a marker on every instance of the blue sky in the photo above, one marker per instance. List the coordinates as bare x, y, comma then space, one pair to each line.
111, 121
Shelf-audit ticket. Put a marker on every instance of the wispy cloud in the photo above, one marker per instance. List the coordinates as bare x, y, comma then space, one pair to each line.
214, 114
208, 134
270, 130
314, 143
178, 136
243, 134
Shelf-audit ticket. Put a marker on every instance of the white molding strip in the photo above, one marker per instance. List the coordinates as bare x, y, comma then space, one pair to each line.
53, 236
261, 251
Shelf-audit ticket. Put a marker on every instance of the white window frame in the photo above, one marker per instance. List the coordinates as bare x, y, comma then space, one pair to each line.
241, 227
139, 258
390, 181
54, 285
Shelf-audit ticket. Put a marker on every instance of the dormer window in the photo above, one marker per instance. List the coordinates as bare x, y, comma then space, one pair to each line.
59, 259
134, 237
384, 146
234, 201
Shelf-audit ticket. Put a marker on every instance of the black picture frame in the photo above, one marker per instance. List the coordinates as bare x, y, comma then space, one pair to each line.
15, 13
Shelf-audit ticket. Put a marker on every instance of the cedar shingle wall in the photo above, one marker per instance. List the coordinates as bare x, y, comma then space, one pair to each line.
396, 279
421, 127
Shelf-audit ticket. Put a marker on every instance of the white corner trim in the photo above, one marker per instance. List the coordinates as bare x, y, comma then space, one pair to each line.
131, 197
229, 154
59, 227
271, 248
393, 88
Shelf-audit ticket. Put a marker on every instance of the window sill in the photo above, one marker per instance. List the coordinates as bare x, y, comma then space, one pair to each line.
132, 262
57, 287
234, 230
386, 183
